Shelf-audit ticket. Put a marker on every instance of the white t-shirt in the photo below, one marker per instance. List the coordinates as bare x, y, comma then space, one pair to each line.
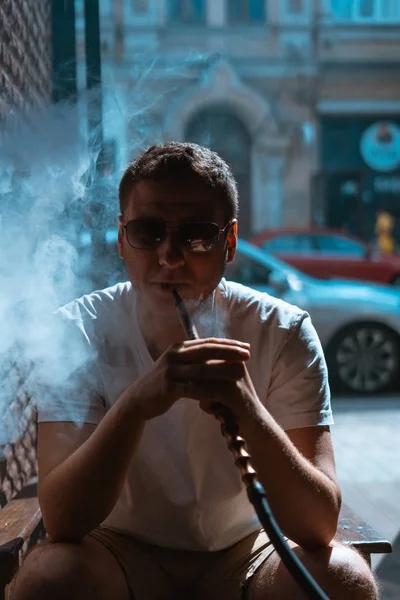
183, 489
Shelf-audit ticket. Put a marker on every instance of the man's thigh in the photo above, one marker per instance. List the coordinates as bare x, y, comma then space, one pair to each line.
341, 572
76, 570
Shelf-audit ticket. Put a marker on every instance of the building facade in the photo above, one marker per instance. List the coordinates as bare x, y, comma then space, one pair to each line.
25, 55
301, 97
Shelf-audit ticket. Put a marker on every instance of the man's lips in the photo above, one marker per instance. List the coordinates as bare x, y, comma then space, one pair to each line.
169, 285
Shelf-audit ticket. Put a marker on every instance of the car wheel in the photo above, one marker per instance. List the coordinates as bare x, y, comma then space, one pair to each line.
396, 281
364, 359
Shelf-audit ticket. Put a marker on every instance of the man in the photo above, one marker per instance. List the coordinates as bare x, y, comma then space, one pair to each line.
140, 495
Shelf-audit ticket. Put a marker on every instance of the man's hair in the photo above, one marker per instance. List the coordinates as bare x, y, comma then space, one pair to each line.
182, 162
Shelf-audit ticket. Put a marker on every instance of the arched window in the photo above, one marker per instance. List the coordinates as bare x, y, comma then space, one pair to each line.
219, 129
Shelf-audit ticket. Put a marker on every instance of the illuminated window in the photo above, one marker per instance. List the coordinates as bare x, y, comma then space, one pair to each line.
246, 11
186, 11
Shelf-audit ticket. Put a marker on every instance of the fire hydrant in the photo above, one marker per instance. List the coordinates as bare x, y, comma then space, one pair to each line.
384, 232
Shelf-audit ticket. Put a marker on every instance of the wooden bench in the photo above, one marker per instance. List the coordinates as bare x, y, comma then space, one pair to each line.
355, 532
21, 524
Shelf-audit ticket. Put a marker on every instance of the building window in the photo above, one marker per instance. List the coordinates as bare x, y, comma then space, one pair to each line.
295, 7
246, 11
140, 7
376, 11
341, 9
366, 11
186, 11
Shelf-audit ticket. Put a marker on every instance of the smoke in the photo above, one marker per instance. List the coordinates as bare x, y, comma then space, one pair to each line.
48, 184
210, 317
44, 163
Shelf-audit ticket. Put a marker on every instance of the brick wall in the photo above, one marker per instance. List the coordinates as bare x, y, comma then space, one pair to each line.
25, 55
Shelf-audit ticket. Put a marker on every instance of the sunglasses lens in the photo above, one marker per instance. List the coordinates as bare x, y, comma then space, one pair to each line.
145, 233
199, 237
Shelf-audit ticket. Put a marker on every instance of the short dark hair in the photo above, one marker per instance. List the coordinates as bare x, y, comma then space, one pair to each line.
182, 161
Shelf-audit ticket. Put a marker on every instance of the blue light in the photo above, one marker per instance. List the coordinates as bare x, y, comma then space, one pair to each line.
111, 236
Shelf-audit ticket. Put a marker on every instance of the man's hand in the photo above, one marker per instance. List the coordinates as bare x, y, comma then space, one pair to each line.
208, 370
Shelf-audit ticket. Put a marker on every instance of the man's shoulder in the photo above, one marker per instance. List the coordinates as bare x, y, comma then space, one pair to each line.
246, 303
101, 305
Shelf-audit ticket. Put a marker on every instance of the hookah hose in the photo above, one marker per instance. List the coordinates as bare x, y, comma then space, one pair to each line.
255, 491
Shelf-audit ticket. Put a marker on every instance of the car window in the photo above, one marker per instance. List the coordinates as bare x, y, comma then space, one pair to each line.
331, 244
289, 243
247, 271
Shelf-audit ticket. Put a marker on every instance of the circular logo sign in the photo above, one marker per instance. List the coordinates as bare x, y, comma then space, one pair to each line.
380, 146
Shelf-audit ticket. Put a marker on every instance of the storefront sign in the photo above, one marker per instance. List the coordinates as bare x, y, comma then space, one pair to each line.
380, 146
387, 184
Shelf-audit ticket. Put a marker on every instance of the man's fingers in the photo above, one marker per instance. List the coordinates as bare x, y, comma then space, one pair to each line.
201, 350
207, 392
218, 370
214, 340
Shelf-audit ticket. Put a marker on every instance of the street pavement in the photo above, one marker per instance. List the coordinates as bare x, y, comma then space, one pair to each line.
366, 439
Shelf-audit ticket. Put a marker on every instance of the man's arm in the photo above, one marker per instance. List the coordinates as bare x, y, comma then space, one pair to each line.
287, 438
297, 470
82, 469
291, 449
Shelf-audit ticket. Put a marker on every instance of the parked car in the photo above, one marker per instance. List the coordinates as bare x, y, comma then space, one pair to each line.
327, 253
358, 323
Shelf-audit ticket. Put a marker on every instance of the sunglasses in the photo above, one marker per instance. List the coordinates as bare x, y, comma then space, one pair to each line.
147, 234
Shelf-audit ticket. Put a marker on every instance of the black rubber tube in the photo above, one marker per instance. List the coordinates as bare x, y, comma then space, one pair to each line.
256, 492
306, 582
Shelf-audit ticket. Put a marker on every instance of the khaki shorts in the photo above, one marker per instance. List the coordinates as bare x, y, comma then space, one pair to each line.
155, 573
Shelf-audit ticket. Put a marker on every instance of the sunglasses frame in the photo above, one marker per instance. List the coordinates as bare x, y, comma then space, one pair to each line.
174, 225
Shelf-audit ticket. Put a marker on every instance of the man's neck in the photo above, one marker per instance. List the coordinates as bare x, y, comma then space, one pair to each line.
160, 331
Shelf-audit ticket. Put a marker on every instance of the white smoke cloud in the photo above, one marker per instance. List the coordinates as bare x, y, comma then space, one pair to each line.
47, 162
43, 164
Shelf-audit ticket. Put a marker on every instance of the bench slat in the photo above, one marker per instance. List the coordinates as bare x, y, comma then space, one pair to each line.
18, 521
354, 531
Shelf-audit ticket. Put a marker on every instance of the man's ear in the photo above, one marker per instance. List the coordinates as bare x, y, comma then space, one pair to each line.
120, 237
232, 241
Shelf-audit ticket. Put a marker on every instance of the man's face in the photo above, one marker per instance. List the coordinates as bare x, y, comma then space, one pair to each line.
170, 264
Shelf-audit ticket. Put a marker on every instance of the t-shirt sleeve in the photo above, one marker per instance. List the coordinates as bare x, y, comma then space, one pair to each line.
68, 383
299, 394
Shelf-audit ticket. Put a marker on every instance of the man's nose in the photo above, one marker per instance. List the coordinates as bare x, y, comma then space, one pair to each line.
170, 252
